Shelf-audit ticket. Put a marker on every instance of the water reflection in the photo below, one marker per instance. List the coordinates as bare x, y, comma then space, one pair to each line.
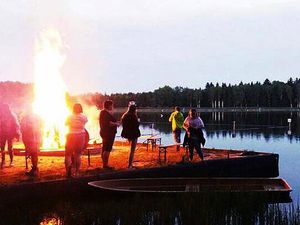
103, 209
51, 220
242, 124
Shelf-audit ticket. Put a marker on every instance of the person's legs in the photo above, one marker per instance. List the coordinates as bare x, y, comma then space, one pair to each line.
106, 148
10, 150
68, 155
132, 150
77, 158
2, 146
198, 149
191, 148
105, 157
32, 150
178, 138
34, 160
175, 136
80, 142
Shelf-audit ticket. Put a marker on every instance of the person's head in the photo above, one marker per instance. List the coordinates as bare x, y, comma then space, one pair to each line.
193, 113
177, 108
77, 108
132, 107
108, 105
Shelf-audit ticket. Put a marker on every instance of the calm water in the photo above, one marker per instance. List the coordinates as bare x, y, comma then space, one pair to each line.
266, 132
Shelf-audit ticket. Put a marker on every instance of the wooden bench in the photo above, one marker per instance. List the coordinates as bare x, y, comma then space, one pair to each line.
163, 149
153, 141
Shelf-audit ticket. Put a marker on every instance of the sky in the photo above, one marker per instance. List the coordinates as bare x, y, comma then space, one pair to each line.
120, 46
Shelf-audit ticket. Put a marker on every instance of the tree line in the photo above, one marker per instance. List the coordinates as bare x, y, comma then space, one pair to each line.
266, 94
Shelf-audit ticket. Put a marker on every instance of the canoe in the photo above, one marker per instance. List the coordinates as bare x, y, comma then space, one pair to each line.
187, 185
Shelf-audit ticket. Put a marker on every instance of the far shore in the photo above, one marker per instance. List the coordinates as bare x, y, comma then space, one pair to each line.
205, 109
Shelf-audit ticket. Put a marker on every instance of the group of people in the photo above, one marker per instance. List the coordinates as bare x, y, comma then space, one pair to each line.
31, 126
193, 125
77, 137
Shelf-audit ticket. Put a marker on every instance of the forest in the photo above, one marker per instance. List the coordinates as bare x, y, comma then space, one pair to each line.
266, 94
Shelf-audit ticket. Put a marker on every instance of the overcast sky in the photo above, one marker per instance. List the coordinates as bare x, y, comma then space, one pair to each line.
140, 45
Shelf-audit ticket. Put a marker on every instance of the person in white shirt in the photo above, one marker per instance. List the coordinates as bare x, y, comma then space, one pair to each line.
76, 139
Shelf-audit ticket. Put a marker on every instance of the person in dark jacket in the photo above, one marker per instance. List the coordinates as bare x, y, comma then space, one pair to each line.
108, 129
131, 129
9, 129
31, 129
194, 135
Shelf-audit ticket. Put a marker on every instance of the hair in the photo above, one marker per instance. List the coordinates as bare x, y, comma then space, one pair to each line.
132, 109
77, 108
177, 108
107, 104
192, 110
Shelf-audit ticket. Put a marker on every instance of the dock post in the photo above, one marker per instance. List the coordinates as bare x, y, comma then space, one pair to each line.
89, 157
289, 120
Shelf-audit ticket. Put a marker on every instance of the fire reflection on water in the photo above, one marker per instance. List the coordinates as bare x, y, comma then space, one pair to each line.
51, 221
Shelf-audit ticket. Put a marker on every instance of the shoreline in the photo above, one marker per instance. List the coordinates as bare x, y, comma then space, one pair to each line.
207, 109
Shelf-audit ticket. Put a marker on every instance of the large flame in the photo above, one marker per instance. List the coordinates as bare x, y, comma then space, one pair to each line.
50, 91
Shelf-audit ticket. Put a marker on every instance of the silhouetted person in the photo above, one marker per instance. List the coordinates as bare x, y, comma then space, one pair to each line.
31, 128
176, 118
108, 129
76, 139
194, 135
131, 129
9, 129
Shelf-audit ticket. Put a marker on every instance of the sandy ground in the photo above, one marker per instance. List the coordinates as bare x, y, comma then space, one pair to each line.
52, 167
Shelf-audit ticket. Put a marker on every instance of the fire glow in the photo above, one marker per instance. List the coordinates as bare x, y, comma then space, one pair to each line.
49, 89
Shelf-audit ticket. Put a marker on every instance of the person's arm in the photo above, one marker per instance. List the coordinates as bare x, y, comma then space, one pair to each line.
171, 117
85, 119
17, 125
201, 123
186, 124
114, 124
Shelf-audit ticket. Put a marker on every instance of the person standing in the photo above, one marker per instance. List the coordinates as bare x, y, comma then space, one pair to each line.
176, 118
193, 125
9, 129
31, 129
76, 139
131, 129
108, 129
